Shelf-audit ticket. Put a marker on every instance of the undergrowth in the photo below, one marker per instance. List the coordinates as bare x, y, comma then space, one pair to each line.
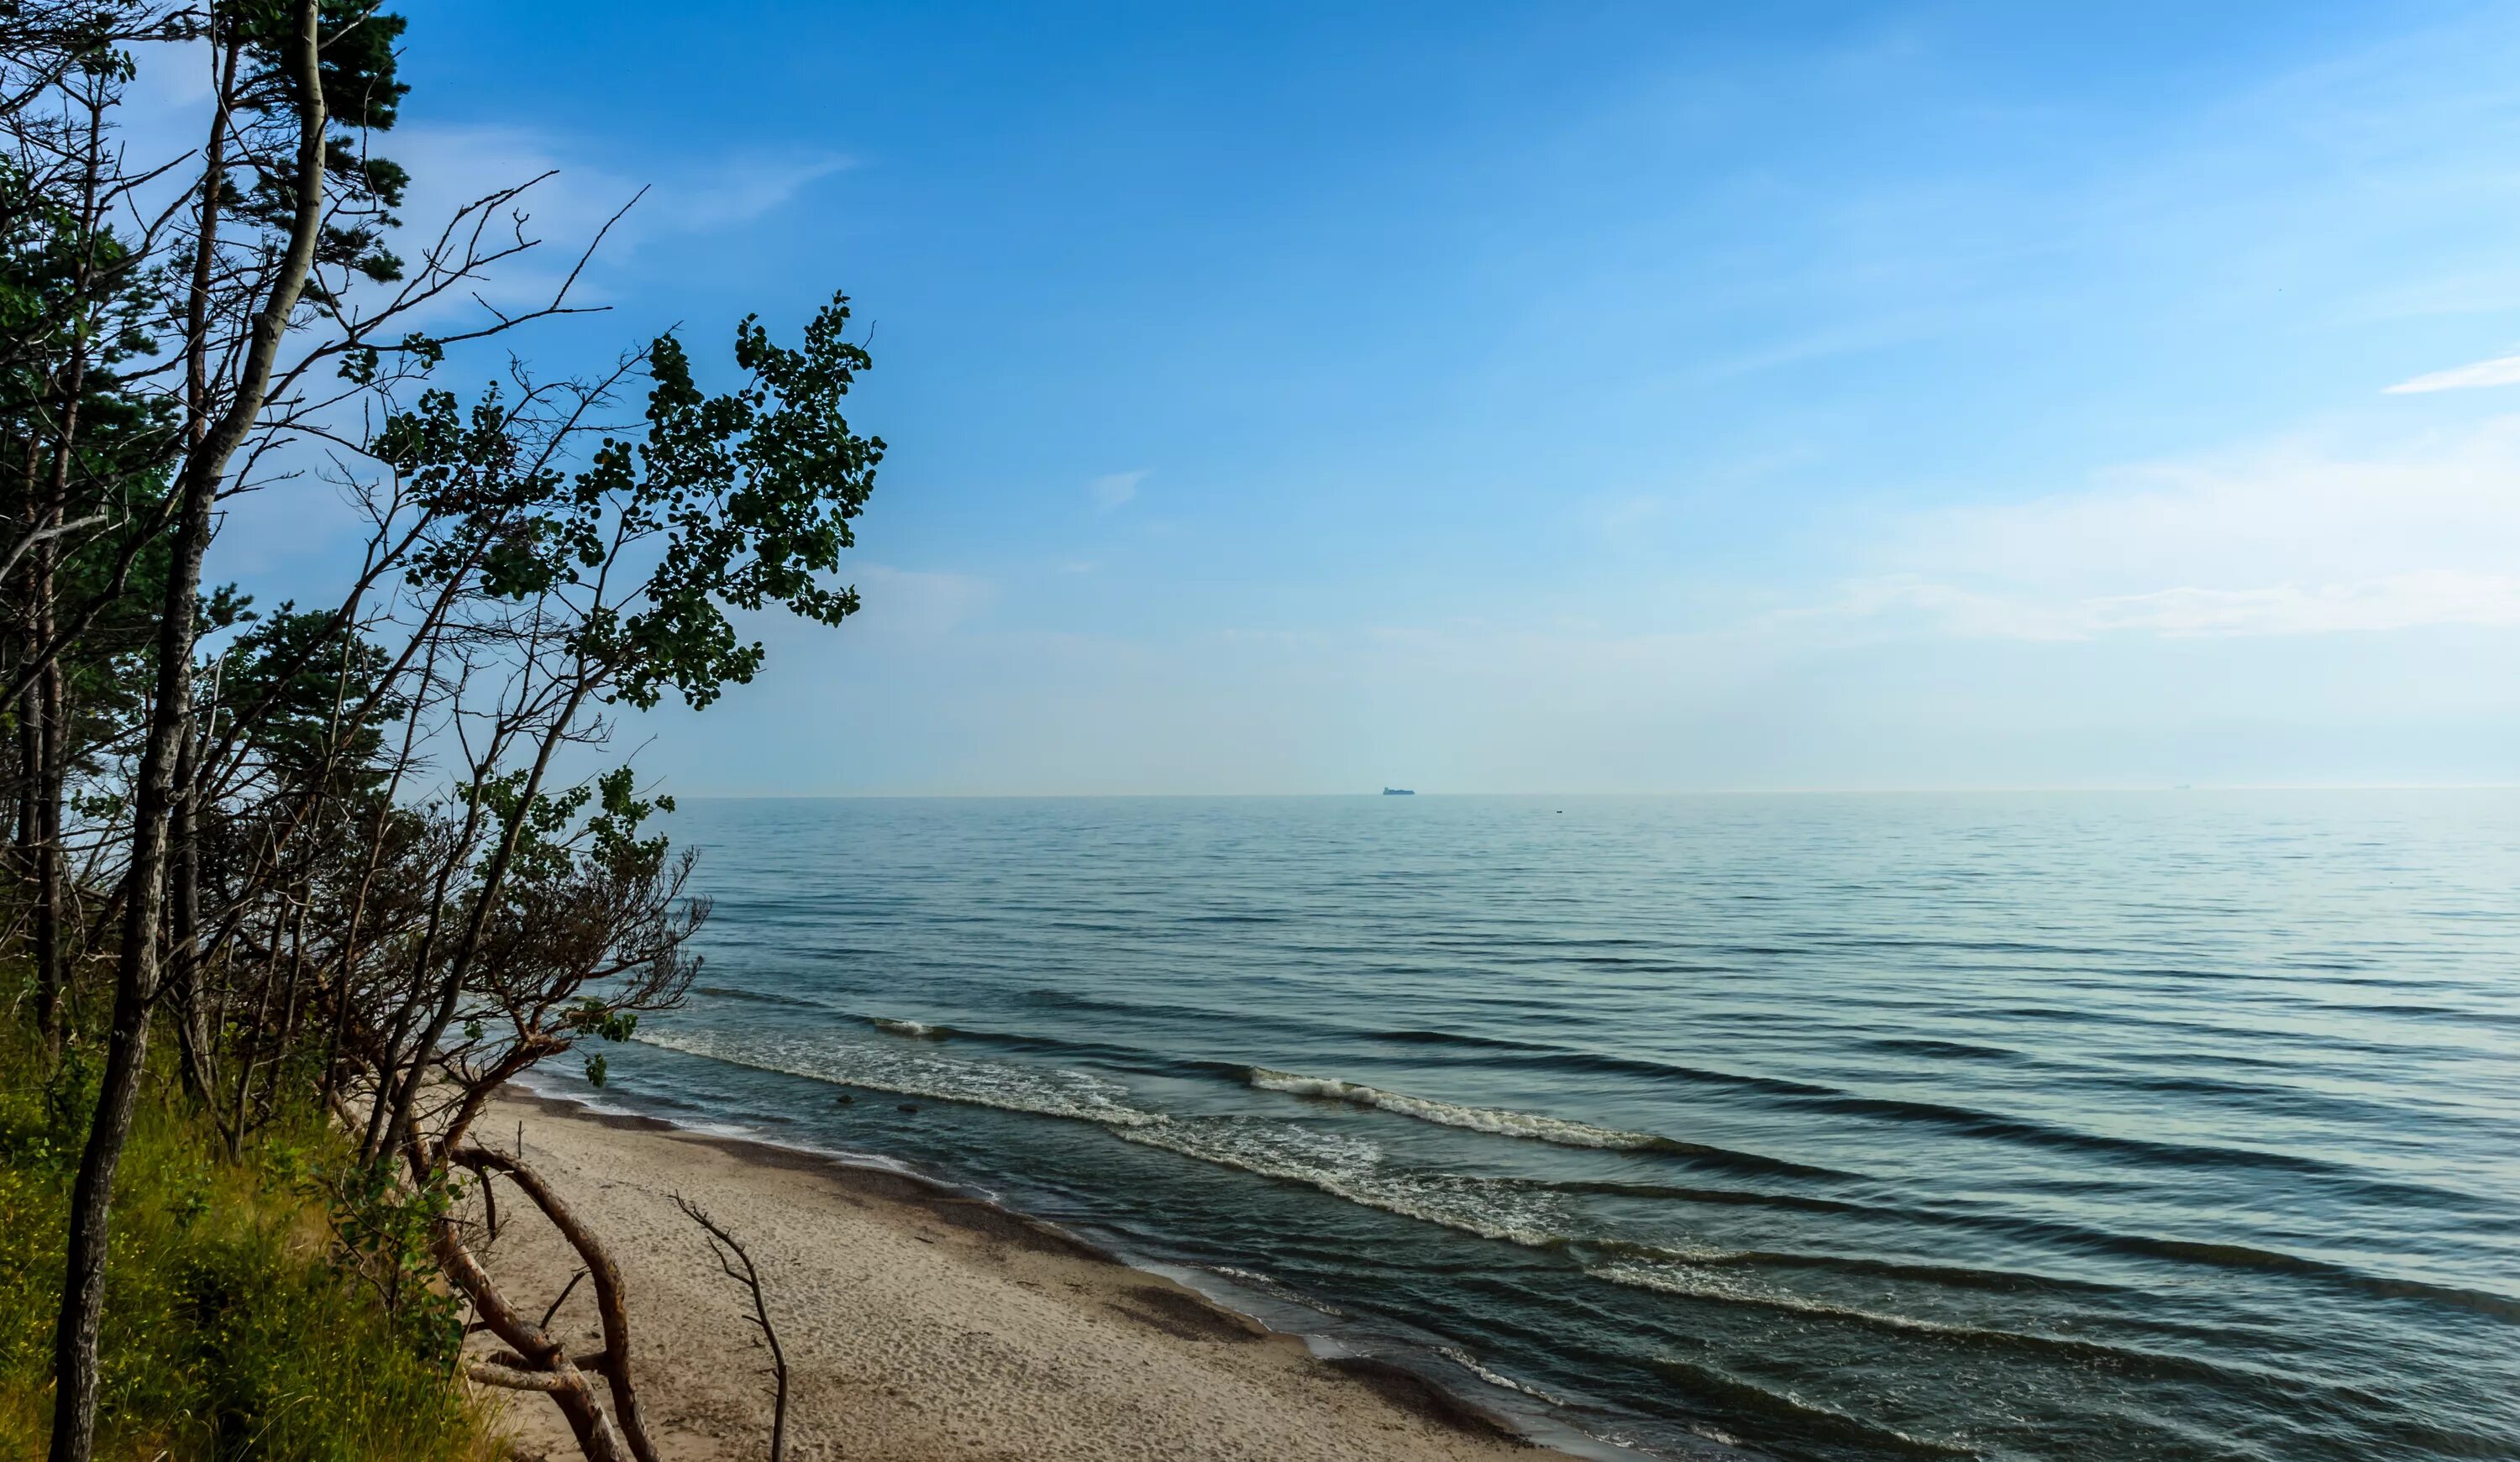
239, 1321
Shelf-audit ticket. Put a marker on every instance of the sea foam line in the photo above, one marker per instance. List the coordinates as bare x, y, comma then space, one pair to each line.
1686, 1278
1040, 1092
1353, 1169
1499, 1121
1344, 1167
1468, 1362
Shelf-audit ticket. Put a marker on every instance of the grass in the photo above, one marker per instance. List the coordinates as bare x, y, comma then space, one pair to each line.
237, 1323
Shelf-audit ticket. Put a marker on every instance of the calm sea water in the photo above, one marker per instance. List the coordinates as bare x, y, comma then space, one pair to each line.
2136, 1126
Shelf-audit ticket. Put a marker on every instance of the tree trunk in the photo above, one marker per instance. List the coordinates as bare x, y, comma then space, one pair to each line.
40, 737
249, 1050
52, 961
26, 840
75, 1367
184, 982
596, 1436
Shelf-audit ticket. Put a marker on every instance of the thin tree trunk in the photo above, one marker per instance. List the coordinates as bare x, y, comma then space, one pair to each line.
52, 964
451, 991
35, 736
749, 1276
30, 757
376, 1147
249, 1050
44, 808
296, 976
25, 841
184, 981
357, 921
74, 1363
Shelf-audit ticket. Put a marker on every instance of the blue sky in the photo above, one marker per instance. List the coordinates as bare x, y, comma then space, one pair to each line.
1578, 397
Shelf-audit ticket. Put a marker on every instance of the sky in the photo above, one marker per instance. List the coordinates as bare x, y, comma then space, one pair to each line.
1570, 397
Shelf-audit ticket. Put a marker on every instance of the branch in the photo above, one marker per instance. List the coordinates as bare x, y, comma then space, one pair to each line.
596, 1435
552, 1382
566, 1290
608, 1302
42, 535
750, 1278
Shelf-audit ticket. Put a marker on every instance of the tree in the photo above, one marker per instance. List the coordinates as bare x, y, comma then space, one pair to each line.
366, 853
215, 440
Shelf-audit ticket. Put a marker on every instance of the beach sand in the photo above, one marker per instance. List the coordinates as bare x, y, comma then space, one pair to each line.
918, 1325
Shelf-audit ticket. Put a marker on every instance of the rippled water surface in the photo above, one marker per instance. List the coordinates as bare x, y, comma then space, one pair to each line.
2133, 1125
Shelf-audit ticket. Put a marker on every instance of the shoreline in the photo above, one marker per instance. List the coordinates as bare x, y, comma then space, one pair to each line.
1059, 1346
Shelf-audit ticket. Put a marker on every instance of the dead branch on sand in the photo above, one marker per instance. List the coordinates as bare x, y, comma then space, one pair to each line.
720, 1243
534, 1360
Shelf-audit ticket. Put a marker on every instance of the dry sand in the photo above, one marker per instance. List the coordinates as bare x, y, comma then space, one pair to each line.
917, 1325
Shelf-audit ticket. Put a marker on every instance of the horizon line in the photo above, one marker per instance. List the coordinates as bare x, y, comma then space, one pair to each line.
2142, 788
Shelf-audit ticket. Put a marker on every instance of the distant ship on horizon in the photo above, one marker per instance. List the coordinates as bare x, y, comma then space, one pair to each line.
1398, 792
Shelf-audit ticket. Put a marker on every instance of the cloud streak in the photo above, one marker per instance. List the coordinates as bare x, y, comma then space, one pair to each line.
2283, 541
1110, 491
747, 188
2434, 599
2501, 370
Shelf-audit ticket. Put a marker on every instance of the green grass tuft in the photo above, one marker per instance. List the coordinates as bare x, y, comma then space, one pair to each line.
236, 1324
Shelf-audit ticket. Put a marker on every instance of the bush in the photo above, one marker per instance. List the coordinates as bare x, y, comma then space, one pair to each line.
236, 1323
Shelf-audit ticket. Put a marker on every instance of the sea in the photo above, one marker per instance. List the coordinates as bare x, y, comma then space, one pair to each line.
2178, 1125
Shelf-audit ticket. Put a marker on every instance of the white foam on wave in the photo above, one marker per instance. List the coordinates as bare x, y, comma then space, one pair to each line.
583, 1096
1679, 1276
1045, 1092
1353, 1168
1469, 1362
1500, 1120
1276, 1289
915, 1030
1340, 1164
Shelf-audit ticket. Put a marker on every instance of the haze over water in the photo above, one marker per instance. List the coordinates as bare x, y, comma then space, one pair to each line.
2017, 1126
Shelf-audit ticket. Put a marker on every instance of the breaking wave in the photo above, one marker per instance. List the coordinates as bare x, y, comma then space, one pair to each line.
1497, 1119
1044, 1092
1352, 1168
1688, 1278
1531, 1126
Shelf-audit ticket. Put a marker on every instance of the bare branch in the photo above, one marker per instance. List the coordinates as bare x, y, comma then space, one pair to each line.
730, 1252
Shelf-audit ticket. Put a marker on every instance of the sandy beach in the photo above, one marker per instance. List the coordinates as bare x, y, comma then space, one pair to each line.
918, 1325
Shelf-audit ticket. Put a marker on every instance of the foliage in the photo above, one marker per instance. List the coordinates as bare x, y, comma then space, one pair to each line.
361, 858
236, 1325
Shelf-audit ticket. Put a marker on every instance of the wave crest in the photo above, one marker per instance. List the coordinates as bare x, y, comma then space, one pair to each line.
1043, 1092
1500, 1120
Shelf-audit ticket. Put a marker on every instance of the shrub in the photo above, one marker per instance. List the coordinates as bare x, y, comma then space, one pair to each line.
236, 1324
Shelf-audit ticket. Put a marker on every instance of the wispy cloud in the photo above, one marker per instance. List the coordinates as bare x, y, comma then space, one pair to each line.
453, 162
1616, 517
2392, 601
747, 188
1113, 489
2282, 541
2501, 370
908, 605
2387, 602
